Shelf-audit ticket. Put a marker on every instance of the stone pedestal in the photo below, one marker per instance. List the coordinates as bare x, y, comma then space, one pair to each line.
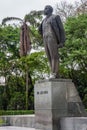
54, 99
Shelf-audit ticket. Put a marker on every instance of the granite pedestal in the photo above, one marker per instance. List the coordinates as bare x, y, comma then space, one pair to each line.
54, 99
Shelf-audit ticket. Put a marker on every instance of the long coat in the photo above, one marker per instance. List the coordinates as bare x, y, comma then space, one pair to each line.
57, 27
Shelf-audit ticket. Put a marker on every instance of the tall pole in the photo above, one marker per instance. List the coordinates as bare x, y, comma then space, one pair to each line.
27, 90
25, 46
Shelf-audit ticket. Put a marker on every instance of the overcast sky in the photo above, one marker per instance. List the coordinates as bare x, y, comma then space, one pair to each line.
19, 8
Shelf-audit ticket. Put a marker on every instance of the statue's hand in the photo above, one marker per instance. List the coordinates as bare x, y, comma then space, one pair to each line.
60, 45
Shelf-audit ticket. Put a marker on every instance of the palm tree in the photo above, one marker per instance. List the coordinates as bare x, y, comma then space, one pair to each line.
25, 41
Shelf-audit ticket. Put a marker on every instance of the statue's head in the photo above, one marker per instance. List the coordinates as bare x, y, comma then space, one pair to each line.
48, 10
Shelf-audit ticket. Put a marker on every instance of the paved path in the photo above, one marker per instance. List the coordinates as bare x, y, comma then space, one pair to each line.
15, 128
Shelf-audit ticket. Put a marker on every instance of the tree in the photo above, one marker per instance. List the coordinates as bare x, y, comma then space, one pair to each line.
66, 9
25, 46
35, 18
82, 8
9, 40
74, 54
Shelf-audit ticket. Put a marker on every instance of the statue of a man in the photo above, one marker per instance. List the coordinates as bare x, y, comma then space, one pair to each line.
53, 35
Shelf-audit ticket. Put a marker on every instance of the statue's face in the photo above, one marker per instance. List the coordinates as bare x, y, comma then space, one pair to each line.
47, 10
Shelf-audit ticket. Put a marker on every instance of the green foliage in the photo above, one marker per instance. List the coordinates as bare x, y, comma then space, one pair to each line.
9, 19
74, 54
73, 63
2, 122
17, 101
35, 18
36, 63
9, 40
9, 47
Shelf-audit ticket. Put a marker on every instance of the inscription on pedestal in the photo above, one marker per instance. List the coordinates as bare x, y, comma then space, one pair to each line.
42, 92
43, 97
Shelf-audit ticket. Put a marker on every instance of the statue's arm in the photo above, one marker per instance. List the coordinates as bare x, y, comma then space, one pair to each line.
55, 29
61, 29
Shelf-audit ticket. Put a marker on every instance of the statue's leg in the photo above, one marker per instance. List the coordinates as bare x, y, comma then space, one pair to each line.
55, 65
47, 52
53, 50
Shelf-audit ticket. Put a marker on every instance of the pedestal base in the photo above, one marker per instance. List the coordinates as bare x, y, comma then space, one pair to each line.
55, 99
73, 123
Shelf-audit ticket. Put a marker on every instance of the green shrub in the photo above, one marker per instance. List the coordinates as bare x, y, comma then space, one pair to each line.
2, 122
16, 112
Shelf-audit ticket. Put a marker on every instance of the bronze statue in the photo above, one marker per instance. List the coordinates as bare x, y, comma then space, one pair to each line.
53, 35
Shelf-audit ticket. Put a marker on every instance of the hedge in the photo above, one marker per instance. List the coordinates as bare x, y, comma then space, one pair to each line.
16, 112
